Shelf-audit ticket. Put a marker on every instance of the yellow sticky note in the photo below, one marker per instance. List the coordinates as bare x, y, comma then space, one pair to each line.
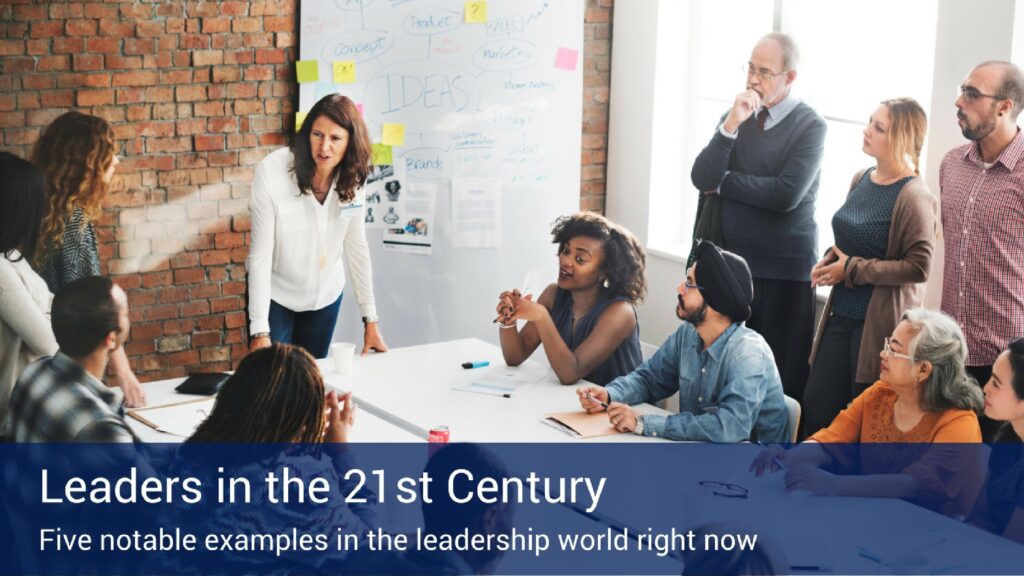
307, 71
344, 71
300, 117
382, 155
476, 12
394, 134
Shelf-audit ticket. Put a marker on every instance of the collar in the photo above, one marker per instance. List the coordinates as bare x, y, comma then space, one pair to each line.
782, 108
718, 346
73, 371
1008, 157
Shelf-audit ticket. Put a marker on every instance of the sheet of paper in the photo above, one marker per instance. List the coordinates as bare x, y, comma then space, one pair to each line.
307, 71
177, 419
476, 12
394, 135
386, 190
583, 425
566, 58
503, 380
344, 71
476, 212
414, 233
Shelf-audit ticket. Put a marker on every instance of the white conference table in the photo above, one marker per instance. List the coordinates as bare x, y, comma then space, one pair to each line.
368, 427
413, 388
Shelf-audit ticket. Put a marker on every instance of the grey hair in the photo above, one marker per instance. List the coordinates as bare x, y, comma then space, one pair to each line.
1011, 86
790, 53
940, 341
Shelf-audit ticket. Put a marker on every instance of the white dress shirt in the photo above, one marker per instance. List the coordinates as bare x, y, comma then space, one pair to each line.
297, 244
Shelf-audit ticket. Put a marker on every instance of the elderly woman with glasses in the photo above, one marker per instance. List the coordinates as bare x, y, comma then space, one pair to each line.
884, 239
921, 407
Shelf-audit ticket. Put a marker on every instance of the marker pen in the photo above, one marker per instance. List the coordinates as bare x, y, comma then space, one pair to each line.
480, 364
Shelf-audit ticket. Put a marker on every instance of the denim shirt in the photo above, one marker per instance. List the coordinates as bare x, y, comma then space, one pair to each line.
729, 392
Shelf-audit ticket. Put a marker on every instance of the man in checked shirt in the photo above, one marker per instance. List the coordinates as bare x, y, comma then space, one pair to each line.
982, 186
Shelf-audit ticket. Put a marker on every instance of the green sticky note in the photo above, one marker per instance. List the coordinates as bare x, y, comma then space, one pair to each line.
300, 117
394, 134
382, 155
344, 71
476, 12
307, 71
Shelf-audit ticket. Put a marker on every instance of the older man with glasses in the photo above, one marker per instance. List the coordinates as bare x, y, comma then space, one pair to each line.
982, 186
729, 388
764, 164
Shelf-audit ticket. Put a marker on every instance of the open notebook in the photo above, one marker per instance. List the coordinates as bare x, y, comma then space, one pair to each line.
579, 424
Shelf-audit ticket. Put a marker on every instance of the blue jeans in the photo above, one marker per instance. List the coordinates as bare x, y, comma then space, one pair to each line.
311, 330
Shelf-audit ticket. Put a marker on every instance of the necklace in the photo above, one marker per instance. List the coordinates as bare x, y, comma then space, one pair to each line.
889, 180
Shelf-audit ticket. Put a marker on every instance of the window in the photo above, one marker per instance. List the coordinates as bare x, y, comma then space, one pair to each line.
883, 49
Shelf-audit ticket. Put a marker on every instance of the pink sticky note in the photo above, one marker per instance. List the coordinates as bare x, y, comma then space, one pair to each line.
566, 58
360, 108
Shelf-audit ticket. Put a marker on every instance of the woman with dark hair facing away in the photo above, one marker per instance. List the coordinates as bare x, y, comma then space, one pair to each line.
277, 396
1000, 507
25, 332
308, 215
586, 320
76, 154
884, 239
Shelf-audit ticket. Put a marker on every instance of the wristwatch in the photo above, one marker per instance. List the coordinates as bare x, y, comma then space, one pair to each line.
639, 430
370, 319
260, 335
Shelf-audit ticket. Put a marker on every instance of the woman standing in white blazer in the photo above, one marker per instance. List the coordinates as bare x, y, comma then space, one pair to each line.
308, 226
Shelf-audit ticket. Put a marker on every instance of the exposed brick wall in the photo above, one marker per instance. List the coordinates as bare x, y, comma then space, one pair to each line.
597, 65
198, 93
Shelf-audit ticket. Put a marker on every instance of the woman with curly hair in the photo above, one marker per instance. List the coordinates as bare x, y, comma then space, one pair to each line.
307, 212
586, 320
76, 154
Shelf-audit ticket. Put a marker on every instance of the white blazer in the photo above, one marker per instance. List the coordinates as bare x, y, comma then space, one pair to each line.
297, 244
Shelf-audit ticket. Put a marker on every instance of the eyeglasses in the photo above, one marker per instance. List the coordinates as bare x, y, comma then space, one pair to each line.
687, 285
888, 352
725, 489
764, 75
971, 94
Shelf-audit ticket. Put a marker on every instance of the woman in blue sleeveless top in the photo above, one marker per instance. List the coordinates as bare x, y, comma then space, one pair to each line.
586, 320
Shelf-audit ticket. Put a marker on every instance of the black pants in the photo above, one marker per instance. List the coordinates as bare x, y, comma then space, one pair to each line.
988, 425
783, 313
833, 384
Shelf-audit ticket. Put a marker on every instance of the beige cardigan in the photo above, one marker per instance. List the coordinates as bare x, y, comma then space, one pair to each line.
898, 279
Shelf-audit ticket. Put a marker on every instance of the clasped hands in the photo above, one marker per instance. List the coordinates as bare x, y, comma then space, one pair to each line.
831, 269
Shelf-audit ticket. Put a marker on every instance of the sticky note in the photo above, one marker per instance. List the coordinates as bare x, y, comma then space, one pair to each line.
307, 71
394, 134
344, 71
566, 58
476, 12
300, 117
360, 108
382, 155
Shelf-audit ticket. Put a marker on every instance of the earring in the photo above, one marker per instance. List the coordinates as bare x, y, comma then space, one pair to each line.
605, 283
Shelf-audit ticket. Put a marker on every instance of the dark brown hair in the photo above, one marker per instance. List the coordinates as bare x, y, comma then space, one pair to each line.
83, 313
624, 259
73, 153
22, 202
275, 396
354, 167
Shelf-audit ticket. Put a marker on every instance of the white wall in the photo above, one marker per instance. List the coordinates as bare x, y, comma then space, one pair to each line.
645, 121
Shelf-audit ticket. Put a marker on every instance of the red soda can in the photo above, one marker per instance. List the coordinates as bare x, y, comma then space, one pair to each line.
439, 435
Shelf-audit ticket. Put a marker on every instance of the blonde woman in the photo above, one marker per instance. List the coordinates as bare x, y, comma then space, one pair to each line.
885, 235
76, 154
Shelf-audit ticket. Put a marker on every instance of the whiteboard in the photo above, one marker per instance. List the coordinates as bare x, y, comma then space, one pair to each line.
477, 100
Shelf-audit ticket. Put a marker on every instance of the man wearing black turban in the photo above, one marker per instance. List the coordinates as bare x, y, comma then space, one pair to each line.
729, 388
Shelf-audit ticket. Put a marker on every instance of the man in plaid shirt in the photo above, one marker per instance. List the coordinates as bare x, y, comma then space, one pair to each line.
61, 398
982, 186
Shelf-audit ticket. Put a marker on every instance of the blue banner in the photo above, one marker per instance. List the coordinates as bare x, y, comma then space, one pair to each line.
580, 508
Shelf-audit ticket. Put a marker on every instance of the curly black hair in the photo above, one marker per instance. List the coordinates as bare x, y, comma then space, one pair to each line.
624, 258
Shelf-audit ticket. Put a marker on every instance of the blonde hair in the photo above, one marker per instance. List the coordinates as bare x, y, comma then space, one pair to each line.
73, 153
908, 125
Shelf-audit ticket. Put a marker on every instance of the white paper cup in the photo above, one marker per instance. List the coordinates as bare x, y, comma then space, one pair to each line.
342, 354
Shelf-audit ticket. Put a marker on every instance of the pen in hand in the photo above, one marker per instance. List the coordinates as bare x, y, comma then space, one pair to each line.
594, 399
